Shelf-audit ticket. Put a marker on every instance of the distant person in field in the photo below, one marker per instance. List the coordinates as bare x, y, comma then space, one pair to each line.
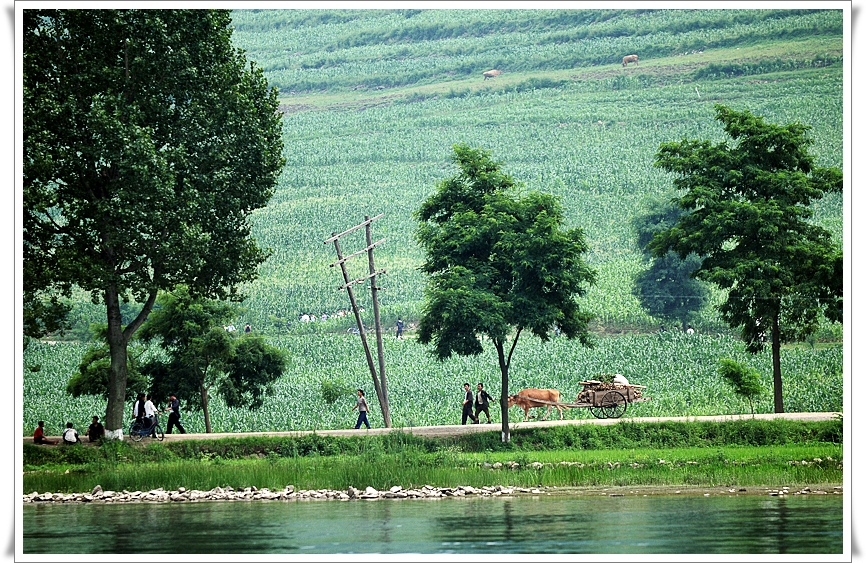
690, 330
361, 405
482, 403
39, 435
174, 414
95, 431
399, 328
247, 328
70, 435
467, 405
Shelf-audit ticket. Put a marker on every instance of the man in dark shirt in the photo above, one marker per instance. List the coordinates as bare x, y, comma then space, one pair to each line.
96, 430
174, 415
482, 403
467, 405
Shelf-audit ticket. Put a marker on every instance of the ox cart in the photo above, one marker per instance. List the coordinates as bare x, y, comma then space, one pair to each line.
604, 400
608, 400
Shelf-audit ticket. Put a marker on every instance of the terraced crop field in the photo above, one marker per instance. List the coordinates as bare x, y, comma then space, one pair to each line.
374, 101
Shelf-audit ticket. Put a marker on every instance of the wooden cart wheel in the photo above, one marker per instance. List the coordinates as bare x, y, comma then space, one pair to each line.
613, 404
597, 412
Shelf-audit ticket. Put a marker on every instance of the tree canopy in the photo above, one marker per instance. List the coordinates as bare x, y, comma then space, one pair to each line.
666, 288
499, 262
201, 355
148, 142
748, 212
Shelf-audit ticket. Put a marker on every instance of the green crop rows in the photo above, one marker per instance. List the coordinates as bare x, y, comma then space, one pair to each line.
678, 370
374, 101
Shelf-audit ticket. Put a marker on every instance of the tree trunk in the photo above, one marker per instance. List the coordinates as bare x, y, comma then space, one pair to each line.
777, 367
204, 408
118, 341
117, 344
503, 399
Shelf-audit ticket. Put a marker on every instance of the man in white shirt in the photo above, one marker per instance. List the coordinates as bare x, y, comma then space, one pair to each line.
70, 435
150, 413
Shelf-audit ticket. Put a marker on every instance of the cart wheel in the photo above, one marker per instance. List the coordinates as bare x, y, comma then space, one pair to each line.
597, 412
613, 404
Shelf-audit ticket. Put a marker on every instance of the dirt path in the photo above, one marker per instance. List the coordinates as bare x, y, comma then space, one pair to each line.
457, 429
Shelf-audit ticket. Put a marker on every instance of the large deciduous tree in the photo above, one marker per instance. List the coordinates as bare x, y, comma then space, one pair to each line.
201, 355
499, 262
748, 213
666, 288
148, 142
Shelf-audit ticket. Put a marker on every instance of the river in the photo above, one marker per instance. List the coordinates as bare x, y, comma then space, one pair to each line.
748, 524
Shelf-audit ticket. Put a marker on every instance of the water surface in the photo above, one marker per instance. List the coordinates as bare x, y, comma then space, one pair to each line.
810, 524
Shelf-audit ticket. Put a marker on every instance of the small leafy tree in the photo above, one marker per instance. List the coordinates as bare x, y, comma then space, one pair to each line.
94, 370
748, 213
499, 262
745, 381
202, 356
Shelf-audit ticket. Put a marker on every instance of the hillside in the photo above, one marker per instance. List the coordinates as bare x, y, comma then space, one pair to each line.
374, 100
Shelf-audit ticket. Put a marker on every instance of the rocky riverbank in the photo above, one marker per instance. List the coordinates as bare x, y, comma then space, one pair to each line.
253, 493
97, 495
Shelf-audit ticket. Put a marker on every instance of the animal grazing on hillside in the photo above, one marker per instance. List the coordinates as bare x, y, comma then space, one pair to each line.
491, 73
524, 400
629, 59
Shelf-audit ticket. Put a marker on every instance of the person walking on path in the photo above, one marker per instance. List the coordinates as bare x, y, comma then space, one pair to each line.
39, 435
399, 329
361, 405
95, 431
150, 412
467, 405
482, 403
138, 408
174, 415
70, 435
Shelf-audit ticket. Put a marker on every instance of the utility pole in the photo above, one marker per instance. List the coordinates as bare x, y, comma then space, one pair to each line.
379, 381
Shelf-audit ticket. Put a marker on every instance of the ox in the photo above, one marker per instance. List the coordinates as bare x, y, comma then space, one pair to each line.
543, 398
629, 59
491, 73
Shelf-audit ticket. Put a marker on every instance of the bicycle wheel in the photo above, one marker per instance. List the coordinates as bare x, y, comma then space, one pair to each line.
160, 435
135, 432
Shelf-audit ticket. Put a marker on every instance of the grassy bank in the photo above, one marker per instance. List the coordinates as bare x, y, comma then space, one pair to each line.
735, 453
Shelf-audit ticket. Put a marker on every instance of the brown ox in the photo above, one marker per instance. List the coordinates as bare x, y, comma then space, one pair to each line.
543, 398
491, 73
629, 59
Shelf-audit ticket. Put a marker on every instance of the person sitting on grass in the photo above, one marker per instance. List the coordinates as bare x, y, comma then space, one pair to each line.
70, 435
96, 430
39, 435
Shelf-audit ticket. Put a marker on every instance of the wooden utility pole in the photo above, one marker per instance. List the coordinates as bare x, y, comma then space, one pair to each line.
379, 381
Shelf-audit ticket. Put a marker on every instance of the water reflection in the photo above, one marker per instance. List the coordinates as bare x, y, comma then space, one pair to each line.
542, 524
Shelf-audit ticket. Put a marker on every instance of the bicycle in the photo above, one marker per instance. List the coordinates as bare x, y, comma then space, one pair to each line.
140, 429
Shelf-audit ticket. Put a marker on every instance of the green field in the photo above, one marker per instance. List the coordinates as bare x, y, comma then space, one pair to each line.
680, 373
374, 101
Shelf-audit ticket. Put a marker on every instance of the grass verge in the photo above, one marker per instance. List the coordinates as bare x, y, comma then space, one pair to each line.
734, 453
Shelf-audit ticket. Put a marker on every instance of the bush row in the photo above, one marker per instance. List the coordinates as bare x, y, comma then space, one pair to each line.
623, 435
